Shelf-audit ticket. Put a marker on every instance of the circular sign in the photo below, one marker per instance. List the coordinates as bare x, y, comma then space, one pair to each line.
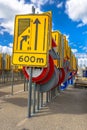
38, 74
50, 71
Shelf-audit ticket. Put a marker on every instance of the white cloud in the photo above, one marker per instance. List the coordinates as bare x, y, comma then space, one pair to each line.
77, 11
80, 25
85, 49
1, 31
5, 49
60, 5
39, 3
8, 10
74, 50
11, 45
51, 1
67, 36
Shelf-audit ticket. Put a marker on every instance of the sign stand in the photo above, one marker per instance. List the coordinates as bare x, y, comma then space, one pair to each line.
38, 98
47, 100
34, 96
24, 83
49, 95
12, 80
30, 93
30, 83
42, 99
30, 31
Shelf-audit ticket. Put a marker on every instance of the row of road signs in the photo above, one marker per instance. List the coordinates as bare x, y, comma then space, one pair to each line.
32, 39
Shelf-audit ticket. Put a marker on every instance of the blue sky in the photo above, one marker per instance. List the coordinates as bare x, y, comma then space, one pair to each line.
68, 16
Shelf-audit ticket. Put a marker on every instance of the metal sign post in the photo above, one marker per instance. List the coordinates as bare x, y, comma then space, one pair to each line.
30, 84
24, 83
42, 99
47, 99
38, 98
34, 98
30, 93
12, 81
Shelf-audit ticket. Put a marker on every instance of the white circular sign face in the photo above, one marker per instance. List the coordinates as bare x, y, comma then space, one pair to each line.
35, 72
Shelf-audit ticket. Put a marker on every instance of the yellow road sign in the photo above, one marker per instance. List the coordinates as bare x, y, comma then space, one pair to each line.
57, 37
50, 26
8, 62
31, 39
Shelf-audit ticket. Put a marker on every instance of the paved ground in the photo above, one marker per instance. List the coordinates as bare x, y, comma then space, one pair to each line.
68, 111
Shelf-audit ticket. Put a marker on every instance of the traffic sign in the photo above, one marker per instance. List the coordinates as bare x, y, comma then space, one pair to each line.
56, 35
31, 40
50, 25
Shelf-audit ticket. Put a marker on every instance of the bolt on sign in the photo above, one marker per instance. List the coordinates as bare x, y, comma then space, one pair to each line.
32, 40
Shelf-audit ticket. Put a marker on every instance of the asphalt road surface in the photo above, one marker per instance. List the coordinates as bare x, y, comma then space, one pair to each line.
68, 111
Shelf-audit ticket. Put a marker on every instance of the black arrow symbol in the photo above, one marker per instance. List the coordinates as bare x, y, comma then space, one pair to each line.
24, 38
36, 34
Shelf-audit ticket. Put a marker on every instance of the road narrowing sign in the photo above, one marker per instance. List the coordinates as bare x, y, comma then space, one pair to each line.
32, 40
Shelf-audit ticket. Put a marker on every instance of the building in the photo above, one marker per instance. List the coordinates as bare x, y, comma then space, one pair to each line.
82, 63
82, 60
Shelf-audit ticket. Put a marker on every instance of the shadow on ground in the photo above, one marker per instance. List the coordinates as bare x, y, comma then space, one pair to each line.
68, 102
19, 101
4, 93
